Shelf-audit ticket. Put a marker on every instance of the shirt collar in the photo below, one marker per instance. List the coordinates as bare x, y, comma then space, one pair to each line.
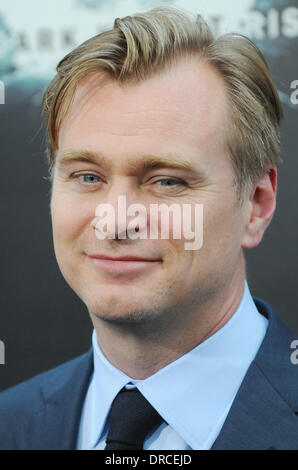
193, 392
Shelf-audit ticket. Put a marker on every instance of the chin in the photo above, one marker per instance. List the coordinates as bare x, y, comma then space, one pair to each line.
123, 311
124, 316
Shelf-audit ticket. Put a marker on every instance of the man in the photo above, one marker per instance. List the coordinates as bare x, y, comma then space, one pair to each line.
158, 111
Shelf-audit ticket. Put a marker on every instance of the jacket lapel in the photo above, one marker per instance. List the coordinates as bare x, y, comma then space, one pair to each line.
259, 418
63, 395
263, 413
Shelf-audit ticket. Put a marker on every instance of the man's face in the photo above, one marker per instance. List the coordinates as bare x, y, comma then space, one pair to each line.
179, 114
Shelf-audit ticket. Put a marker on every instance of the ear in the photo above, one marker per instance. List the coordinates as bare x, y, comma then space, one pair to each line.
261, 207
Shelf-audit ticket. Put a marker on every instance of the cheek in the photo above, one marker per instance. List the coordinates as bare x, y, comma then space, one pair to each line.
69, 218
223, 230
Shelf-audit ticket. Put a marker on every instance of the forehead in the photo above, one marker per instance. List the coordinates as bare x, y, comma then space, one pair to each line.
180, 108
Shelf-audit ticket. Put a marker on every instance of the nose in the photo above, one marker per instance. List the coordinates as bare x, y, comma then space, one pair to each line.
124, 212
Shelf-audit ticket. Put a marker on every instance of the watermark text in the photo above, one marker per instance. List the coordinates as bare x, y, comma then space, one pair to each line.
175, 221
294, 94
2, 353
294, 355
2, 93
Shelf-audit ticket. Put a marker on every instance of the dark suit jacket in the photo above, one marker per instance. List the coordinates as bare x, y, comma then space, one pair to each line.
44, 412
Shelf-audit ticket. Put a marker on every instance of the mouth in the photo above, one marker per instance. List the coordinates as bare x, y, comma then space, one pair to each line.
124, 264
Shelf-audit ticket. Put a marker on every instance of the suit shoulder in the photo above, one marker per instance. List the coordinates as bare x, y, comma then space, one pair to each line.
26, 398
277, 358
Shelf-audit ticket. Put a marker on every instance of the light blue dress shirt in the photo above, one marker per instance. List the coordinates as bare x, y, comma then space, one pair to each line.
192, 394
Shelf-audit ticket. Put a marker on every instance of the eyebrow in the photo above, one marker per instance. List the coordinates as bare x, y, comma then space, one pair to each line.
138, 164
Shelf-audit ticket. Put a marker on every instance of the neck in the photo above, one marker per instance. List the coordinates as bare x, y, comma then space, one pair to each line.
141, 351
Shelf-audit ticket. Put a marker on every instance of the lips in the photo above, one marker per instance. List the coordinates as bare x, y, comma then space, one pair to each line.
123, 264
124, 258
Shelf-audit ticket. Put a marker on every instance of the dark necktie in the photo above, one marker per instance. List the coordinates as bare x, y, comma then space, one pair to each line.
131, 419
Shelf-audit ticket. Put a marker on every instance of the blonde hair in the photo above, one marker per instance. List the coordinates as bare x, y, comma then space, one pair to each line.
143, 44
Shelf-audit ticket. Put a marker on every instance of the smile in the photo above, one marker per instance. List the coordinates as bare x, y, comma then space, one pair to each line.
123, 264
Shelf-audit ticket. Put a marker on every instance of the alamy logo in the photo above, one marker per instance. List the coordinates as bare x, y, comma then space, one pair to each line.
294, 95
176, 221
2, 353
2, 93
294, 355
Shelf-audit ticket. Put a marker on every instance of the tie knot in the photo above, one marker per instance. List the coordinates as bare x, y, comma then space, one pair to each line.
131, 418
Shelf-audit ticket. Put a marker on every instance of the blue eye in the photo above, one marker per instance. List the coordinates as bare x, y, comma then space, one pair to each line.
172, 180
89, 178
